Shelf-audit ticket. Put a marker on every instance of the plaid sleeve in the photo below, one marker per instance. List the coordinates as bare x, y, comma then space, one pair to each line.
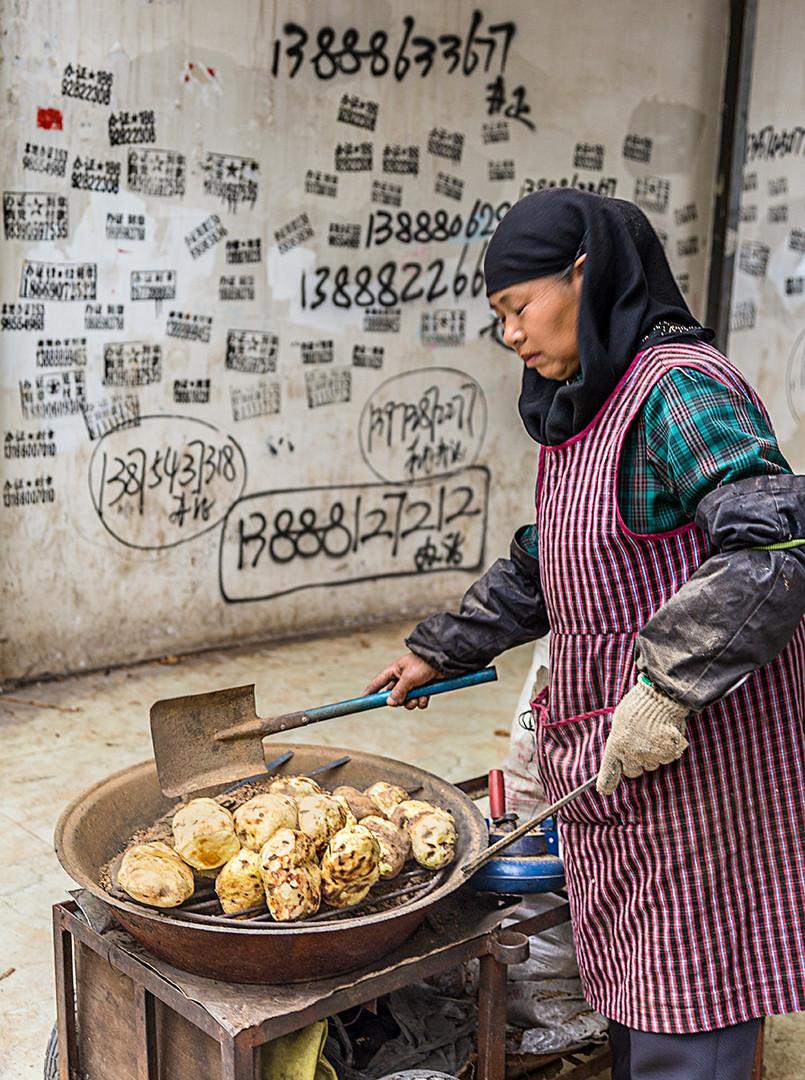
693, 434
529, 540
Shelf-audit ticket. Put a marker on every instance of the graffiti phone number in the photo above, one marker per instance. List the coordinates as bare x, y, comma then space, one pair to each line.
425, 228
282, 541
459, 52
391, 285
191, 468
152, 489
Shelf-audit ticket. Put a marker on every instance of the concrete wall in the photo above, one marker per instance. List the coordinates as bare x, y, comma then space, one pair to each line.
246, 355
767, 331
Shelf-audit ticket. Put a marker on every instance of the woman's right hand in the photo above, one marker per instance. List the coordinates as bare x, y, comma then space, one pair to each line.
404, 675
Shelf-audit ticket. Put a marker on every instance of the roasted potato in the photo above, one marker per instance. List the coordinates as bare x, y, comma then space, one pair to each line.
295, 786
386, 796
349, 817
407, 810
321, 817
360, 805
352, 855
259, 818
291, 879
395, 847
154, 874
292, 892
339, 894
239, 885
288, 848
204, 834
433, 839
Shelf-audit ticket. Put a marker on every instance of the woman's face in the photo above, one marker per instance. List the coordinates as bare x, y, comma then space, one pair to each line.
540, 320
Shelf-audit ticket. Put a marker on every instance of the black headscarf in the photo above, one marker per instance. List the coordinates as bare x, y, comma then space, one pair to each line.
629, 298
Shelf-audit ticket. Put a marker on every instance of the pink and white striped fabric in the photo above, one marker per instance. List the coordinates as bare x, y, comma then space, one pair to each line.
687, 886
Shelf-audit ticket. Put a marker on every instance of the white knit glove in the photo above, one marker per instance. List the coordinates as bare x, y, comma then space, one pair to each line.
648, 730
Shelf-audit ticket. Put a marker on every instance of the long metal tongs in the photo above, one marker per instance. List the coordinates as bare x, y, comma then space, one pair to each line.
526, 827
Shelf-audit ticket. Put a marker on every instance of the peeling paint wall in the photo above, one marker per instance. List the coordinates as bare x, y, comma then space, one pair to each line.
767, 316
250, 383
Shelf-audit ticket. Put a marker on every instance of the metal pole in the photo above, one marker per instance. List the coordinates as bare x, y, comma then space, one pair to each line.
65, 998
729, 179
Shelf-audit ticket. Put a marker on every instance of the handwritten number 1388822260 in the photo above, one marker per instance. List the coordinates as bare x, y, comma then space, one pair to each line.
385, 287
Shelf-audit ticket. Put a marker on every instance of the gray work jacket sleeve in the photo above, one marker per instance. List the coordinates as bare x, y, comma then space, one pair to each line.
502, 609
743, 605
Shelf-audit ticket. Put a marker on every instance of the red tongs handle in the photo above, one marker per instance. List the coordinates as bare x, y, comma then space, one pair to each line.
497, 794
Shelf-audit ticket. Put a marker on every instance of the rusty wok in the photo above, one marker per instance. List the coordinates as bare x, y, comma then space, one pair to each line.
98, 824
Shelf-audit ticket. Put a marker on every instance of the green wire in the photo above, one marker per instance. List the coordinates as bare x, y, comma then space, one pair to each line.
778, 547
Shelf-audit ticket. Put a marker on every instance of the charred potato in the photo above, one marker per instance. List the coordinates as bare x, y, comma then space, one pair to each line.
155, 875
288, 848
321, 817
338, 894
259, 818
352, 855
292, 892
297, 787
407, 810
395, 847
349, 817
291, 879
386, 796
433, 839
239, 885
204, 834
360, 805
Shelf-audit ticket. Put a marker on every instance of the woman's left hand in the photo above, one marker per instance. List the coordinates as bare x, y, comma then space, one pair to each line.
648, 730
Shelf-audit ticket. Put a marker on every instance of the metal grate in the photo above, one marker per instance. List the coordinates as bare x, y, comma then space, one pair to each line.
204, 906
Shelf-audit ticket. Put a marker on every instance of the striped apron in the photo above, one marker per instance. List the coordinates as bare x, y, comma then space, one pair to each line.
687, 885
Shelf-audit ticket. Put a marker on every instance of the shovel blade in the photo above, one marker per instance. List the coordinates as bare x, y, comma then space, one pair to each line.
188, 756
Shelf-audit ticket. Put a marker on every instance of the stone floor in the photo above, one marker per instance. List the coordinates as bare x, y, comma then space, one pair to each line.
51, 753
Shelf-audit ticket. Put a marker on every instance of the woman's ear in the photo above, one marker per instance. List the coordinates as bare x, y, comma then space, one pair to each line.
578, 273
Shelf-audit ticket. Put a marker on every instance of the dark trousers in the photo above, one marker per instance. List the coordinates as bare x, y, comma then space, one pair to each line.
723, 1054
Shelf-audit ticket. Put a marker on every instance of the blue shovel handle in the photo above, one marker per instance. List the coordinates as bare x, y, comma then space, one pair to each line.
274, 725
374, 701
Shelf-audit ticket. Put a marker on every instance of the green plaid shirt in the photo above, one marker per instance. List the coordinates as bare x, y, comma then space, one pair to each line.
692, 434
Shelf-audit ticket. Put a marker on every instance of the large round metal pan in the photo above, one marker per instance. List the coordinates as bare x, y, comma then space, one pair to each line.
98, 824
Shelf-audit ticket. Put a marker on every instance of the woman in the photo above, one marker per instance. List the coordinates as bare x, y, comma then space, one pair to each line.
667, 561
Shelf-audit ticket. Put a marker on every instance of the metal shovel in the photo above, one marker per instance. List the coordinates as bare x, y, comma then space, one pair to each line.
202, 740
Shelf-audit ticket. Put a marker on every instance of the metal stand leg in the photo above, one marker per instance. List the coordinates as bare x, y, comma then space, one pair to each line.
65, 1000
507, 947
491, 1020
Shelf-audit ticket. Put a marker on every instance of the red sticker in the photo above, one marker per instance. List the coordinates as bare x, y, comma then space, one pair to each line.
49, 119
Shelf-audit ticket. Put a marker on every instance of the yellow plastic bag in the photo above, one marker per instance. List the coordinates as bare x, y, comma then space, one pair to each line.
298, 1055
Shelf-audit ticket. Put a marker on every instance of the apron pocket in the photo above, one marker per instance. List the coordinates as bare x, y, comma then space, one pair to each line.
569, 752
